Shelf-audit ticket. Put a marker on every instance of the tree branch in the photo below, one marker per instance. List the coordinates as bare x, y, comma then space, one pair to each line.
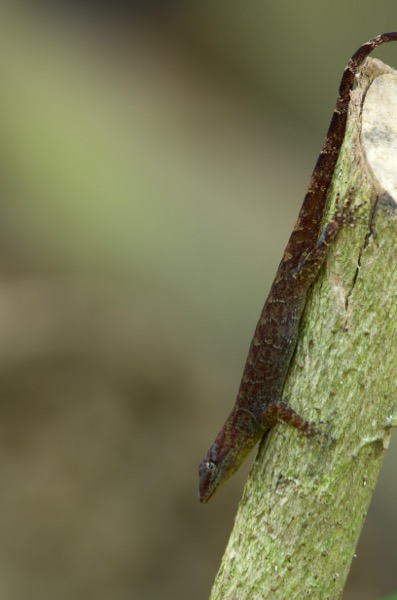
304, 506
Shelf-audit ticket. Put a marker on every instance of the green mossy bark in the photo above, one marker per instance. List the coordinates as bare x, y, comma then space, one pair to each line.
303, 507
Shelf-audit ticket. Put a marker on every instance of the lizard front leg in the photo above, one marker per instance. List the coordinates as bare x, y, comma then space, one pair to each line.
281, 411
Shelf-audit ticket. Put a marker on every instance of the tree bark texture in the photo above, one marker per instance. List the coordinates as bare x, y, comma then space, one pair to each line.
304, 505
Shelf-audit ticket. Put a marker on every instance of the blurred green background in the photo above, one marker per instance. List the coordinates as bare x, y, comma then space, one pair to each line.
153, 163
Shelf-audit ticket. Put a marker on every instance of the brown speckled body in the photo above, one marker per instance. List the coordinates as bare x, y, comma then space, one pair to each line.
258, 405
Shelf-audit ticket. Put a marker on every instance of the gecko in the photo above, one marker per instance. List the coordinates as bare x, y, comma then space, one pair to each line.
259, 405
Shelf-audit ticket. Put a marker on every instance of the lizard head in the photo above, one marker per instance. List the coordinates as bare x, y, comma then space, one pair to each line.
212, 471
233, 443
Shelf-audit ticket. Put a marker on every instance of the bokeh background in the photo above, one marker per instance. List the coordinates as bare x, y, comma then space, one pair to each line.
153, 161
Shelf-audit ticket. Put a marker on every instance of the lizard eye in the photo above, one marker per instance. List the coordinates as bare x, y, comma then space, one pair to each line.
211, 466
